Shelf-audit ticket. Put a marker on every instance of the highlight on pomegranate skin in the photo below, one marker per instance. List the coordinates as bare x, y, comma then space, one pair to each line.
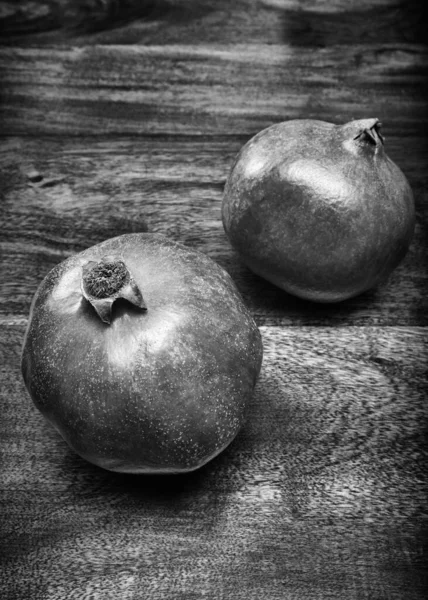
319, 209
142, 355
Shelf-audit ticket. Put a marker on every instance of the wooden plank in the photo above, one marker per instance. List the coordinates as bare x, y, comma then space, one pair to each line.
125, 115
62, 195
313, 23
239, 89
322, 495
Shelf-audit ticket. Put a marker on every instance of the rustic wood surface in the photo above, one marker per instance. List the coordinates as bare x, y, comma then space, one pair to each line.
126, 115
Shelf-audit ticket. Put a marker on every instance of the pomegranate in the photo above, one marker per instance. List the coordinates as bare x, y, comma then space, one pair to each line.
141, 353
319, 209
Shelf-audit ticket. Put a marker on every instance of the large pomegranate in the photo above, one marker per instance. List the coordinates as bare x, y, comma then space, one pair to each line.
141, 353
319, 209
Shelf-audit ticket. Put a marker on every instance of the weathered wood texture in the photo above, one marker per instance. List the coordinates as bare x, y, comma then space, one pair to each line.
206, 89
126, 115
322, 495
62, 195
298, 22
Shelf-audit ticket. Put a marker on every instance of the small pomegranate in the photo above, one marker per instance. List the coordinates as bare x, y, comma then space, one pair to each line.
142, 355
319, 209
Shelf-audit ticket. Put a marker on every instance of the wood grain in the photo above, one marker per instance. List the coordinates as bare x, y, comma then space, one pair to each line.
61, 196
206, 89
322, 495
126, 115
310, 23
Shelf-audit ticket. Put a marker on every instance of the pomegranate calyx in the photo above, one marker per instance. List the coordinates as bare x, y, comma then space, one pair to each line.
371, 135
106, 281
363, 136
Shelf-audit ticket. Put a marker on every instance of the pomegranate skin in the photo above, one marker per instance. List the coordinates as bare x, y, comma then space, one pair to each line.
159, 384
319, 209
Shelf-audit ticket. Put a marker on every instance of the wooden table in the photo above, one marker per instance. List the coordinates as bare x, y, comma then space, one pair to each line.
121, 116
